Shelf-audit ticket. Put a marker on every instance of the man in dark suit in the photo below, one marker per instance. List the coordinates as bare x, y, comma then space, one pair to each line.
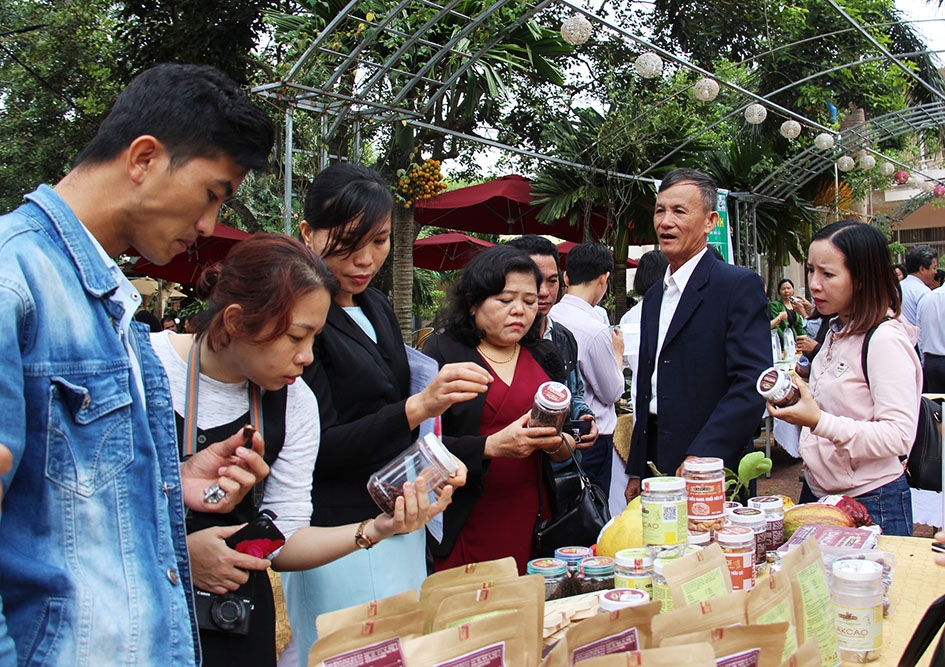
706, 323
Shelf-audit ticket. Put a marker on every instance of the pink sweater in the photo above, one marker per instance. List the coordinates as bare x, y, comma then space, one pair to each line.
863, 430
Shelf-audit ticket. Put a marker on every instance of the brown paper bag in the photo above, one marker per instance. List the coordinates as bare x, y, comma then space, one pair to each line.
700, 576
363, 643
471, 573
813, 606
717, 613
807, 655
498, 640
603, 634
760, 646
771, 601
332, 621
690, 655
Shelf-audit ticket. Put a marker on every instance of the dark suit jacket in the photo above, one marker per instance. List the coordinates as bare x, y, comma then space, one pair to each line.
361, 389
461, 429
717, 345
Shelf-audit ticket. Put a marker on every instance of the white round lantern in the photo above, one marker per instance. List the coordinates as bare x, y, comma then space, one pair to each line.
576, 29
648, 65
755, 114
845, 163
824, 141
867, 162
887, 168
706, 89
790, 129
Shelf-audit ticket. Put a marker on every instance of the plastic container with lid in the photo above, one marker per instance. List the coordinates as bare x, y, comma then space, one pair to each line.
773, 507
633, 568
777, 386
660, 587
755, 519
552, 402
665, 515
428, 457
555, 572
594, 574
573, 556
700, 539
738, 546
705, 492
857, 593
621, 598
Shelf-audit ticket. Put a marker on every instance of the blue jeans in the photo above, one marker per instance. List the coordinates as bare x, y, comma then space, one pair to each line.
597, 461
890, 506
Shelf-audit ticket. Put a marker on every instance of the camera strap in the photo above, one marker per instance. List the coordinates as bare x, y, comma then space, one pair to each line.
190, 409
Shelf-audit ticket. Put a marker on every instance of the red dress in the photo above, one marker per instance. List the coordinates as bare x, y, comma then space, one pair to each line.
502, 521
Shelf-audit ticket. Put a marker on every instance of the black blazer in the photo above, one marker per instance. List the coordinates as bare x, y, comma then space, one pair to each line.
461, 428
717, 345
361, 389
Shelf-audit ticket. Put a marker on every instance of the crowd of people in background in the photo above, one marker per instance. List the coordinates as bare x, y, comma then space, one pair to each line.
120, 489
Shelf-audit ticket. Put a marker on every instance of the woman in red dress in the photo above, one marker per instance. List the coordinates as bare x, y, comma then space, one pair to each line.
492, 320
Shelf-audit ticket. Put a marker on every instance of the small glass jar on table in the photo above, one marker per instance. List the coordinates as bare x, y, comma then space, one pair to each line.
555, 572
593, 574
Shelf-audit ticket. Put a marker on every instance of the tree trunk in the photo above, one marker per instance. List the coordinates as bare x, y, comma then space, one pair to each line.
620, 290
404, 234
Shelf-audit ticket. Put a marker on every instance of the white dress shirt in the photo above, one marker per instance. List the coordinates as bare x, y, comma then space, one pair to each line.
931, 322
913, 289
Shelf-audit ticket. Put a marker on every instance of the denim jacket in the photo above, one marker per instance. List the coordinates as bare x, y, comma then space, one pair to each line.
93, 552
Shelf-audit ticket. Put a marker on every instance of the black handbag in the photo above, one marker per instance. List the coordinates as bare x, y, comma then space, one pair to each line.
922, 637
580, 511
925, 460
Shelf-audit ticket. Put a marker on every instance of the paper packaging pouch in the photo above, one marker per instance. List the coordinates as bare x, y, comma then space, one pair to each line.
698, 577
690, 655
717, 613
367, 643
524, 596
604, 634
501, 568
496, 641
771, 601
807, 655
813, 607
332, 621
757, 646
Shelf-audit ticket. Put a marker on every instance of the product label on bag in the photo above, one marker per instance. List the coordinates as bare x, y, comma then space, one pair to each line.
487, 656
383, 654
616, 643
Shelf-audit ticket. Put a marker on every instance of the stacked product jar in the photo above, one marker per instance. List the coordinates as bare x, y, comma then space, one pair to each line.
634, 569
738, 545
705, 493
773, 507
754, 519
665, 514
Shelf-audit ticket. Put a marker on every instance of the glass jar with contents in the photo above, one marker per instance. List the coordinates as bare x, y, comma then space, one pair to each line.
777, 386
594, 574
665, 516
555, 572
705, 493
552, 402
621, 598
753, 518
857, 593
701, 539
573, 556
738, 546
428, 457
633, 568
773, 507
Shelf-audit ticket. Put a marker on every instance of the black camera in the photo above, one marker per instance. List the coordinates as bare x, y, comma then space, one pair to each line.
577, 428
229, 613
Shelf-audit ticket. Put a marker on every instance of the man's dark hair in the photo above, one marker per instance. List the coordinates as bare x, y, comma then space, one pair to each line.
532, 244
483, 277
195, 111
708, 188
650, 269
920, 257
588, 261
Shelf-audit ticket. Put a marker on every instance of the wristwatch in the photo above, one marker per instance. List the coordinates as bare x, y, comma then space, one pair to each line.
362, 540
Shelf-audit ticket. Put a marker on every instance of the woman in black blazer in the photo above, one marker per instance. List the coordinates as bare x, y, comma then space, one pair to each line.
361, 379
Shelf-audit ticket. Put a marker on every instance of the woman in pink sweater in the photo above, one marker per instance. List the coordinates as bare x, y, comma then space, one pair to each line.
856, 429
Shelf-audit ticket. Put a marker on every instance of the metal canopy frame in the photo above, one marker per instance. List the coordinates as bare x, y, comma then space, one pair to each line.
352, 90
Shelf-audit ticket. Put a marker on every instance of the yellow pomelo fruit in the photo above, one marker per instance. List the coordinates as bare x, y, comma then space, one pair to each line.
624, 531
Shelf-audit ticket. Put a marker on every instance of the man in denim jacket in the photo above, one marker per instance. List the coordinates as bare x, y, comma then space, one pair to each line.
93, 560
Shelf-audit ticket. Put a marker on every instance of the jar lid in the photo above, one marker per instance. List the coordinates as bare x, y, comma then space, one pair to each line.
547, 567
747, 516
658, 564
773, 382
553, 396
857, 569
663, 484
766, 502
440, 453
701, 538
622, 598
735, 535
597, 566
638, 559
572, 554
704, 464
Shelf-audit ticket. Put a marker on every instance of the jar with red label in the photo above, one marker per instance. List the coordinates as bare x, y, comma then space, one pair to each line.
755, 520
773, 507
705, 493
551, 406
777, 386
738, 546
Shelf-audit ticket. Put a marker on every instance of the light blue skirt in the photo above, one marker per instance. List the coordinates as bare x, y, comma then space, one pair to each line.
395, 565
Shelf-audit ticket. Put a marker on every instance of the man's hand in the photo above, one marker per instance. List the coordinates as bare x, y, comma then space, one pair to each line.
228, 464
215, 567
805, 344
633, 489
587, 441
6, 463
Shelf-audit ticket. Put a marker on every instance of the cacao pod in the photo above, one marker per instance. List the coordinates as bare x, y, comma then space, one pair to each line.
852, 507
814, 513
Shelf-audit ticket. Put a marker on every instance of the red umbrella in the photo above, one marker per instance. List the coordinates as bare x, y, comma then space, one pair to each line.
502, 206
186, 267
565, 247
446, 252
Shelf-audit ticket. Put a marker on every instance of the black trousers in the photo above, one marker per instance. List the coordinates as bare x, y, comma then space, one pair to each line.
933, 374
